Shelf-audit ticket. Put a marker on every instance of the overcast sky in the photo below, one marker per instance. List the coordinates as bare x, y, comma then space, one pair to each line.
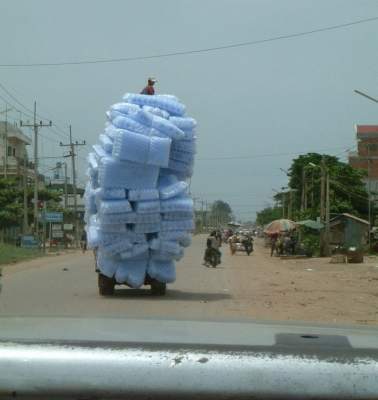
283, 97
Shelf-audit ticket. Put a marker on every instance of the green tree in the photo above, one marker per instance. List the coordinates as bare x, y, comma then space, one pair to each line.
220, 212
347, 189
12, 202
268, 214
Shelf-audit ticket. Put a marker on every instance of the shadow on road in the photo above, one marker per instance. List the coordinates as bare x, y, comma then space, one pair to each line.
171, 294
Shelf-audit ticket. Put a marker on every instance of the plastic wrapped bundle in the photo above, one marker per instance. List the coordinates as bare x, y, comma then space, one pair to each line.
115, 206
110, 194
170, 186
150, 218
135, 250
143, 194
131, 146
162, 270
121, 121
106, 143
182, 156
185, 224
118, 218
167, 128
92, 236
189, 146
182, 203
148, 206
138, 212
171, 105
148, 227
127, 174
156, 111
184, 123
132, 271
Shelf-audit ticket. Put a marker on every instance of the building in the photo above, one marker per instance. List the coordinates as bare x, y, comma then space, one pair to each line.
348, 230
366, 156
13, 154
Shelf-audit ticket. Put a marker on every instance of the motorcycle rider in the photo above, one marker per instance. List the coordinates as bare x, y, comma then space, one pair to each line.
212, 245
247, 242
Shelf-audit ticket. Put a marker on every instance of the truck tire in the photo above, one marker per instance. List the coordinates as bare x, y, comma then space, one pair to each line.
105, 285
158, 288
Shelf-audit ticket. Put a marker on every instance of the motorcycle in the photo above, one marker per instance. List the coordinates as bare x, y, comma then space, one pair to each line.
213, 257
248, 245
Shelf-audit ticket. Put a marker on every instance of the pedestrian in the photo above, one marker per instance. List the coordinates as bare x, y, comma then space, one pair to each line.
286, 244
219, 237
83, 241
149, 89
293, 243
273, 243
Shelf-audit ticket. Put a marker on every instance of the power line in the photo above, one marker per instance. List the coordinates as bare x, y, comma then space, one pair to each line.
266, 155
56, 128
194, 51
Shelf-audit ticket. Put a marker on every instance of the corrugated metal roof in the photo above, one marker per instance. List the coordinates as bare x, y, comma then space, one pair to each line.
362, 221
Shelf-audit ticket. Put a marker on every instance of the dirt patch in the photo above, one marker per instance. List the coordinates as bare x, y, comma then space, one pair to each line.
312, 289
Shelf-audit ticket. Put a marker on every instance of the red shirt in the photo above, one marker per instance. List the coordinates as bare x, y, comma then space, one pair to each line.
149, 89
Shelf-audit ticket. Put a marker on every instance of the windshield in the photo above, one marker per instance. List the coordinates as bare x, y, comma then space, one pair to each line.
189, 160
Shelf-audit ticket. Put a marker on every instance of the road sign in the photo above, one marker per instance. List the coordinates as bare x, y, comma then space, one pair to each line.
29, 241
57, 234
56, 227
68, 227
53, 216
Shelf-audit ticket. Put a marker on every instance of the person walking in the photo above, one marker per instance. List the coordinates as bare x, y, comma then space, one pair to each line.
273, 243
83, 241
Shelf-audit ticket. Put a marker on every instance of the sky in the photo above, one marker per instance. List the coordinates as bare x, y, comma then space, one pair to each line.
257, 106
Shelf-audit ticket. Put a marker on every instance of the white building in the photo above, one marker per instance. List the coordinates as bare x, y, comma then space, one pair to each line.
13, 152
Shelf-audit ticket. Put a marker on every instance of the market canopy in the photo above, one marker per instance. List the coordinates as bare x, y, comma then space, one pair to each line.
309, 223
279, 226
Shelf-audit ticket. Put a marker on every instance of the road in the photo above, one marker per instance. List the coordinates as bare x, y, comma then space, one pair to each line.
254, 287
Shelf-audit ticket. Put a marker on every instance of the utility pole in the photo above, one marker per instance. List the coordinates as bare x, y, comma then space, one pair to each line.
290, 206
369, 190
65, 186
324, 209
303, 193
283, 204
6, 142
72, 154
25, 184
327, 214
35, 126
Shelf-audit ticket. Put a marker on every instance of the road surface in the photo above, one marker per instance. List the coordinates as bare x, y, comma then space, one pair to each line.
254, 287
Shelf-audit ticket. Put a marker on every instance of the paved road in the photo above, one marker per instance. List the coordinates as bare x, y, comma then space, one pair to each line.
254, 287
67, 286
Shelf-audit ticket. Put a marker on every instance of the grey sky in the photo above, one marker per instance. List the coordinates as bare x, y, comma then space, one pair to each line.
288, 96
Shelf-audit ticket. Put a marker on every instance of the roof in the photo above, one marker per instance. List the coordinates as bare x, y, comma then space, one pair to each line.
309, 223
367, 131
350, 216
14, 132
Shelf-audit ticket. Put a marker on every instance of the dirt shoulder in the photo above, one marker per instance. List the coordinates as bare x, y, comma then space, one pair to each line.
313, 289
37, 260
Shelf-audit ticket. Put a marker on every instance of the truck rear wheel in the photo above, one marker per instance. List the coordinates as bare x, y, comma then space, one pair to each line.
158, 288
105, 285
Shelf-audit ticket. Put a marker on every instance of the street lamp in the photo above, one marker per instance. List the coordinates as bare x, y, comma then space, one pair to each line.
365, 95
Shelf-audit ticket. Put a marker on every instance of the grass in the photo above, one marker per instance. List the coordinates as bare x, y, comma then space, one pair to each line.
12, 254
